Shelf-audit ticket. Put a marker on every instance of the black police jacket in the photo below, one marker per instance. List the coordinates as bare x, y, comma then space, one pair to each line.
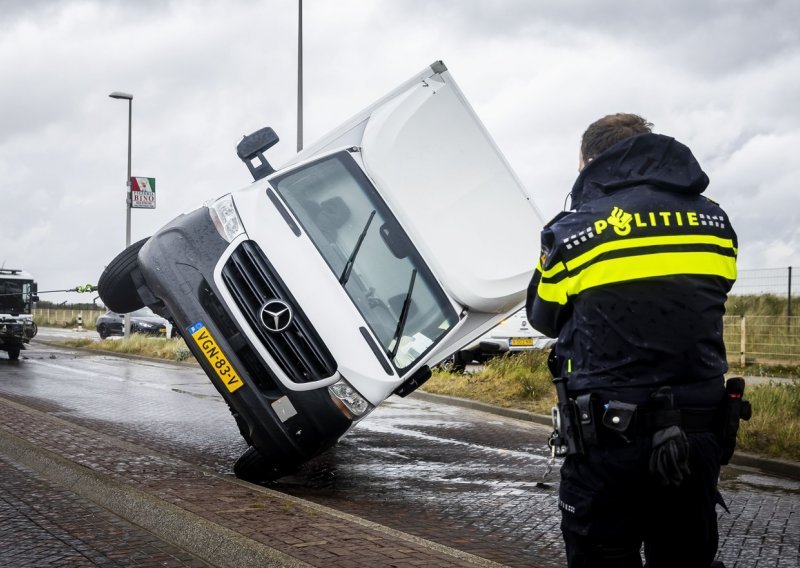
633, 280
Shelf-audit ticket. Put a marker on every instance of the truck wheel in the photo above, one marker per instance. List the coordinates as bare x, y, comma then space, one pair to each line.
460, 360
116, 287
252, 466
13, 352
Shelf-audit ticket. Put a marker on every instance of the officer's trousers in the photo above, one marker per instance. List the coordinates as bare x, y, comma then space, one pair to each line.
610, 507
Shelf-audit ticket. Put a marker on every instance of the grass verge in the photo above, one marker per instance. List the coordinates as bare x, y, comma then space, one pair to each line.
774, 429
138, 344
519, 381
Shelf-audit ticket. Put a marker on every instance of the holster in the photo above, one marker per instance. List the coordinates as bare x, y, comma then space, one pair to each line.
566, 425
734, 409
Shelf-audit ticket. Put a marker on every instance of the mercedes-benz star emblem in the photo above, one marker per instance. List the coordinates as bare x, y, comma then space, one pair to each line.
276, 315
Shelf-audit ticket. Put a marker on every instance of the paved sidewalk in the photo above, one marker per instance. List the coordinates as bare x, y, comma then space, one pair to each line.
44, 524
61, 482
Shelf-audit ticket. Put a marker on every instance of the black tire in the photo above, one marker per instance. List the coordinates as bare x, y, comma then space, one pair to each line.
116, 287
252, 466
13, 352
460, 360
102, 331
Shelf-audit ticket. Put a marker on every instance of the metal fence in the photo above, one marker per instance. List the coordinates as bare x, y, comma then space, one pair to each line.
763, 325
773, 281
65, 317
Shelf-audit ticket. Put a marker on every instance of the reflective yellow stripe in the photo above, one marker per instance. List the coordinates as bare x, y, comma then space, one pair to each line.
649, 242
639, 266
652, 265
553, 292
558, 268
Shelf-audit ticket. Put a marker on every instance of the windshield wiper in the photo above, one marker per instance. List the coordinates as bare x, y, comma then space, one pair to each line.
401, 323
348, 267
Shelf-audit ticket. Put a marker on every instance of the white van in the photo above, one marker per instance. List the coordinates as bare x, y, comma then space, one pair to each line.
511, 335
326, 286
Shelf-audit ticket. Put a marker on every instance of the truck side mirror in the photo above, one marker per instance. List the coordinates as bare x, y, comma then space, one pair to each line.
251, 150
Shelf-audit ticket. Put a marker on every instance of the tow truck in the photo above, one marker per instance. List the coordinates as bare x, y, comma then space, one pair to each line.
17, 294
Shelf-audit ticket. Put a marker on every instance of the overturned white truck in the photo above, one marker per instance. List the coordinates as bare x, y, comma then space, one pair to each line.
328, 285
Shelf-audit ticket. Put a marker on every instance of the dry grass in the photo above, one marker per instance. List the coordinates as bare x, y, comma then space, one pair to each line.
519, 380
774, 429
138, 344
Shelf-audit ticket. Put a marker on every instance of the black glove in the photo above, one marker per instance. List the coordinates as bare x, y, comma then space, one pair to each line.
669, 457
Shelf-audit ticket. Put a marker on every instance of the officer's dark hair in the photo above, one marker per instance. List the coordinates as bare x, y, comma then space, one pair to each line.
607, 131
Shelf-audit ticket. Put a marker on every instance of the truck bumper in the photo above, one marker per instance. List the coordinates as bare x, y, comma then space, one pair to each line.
177, 265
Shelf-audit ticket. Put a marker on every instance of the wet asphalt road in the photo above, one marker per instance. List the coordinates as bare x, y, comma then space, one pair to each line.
463, 478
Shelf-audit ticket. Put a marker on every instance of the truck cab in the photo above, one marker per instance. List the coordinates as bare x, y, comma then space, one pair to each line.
17, 295
339, 279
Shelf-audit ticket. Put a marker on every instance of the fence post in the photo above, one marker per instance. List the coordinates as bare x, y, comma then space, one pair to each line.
743, 342
789, 304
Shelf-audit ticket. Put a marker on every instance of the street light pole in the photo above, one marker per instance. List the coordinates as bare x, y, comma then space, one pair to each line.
300, 76
129, 98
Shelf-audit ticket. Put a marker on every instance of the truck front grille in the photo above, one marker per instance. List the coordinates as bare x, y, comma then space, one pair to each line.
252, 281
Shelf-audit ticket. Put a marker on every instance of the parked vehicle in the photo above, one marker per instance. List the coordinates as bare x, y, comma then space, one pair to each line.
143, 321
17, 294
511, 335
324, 287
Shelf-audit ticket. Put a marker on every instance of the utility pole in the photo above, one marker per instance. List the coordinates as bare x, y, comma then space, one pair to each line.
127, 97
300, 75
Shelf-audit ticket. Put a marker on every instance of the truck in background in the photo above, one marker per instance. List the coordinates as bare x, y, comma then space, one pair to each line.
17, 294
511, 335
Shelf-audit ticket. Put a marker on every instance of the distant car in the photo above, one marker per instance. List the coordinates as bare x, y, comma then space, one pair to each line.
143, 321
512, 334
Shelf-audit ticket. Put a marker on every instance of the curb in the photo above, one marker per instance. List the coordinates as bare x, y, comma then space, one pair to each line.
769, 465
526, 415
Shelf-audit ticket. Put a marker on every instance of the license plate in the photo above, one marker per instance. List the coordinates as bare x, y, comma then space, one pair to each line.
162, 331
214, 355
521, 342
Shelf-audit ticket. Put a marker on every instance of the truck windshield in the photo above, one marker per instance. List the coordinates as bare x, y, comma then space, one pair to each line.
15, 296
370, 254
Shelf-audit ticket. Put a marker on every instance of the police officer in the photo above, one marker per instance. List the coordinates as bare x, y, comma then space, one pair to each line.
633, 282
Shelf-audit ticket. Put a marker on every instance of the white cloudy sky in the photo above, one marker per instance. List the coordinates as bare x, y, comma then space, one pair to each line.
722, 76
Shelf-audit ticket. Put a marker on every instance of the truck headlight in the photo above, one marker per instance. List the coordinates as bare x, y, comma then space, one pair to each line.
345, 395
225, 217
